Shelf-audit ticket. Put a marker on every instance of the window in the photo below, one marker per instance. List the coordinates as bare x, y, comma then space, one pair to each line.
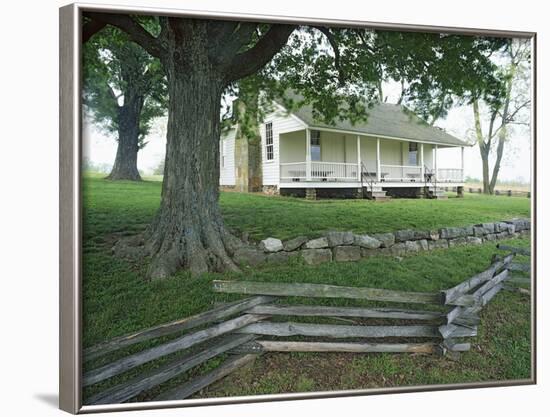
315, 145
269, 141
413, 153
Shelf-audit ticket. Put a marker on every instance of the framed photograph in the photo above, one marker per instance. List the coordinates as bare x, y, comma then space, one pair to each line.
256, 208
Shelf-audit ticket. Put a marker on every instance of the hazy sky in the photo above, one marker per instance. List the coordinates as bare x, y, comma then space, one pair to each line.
100, 148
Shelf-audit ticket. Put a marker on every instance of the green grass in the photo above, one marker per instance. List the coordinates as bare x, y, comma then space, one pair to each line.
285, 217
117, 299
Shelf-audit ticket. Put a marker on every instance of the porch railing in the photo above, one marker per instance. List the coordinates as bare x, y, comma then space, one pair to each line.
345, 171
410, 173
450, 175
333, 171
293, 171
320, 171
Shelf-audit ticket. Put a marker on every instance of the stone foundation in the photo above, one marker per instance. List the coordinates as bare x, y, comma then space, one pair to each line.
270, 189
311, 194
227, 188
348, 247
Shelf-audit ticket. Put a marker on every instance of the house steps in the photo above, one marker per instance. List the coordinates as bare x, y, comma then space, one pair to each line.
437, 193
376, 194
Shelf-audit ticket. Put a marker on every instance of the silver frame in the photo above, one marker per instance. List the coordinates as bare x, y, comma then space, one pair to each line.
70, 226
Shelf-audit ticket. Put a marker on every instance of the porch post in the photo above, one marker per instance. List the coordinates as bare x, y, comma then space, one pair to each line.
435, 161
358, 158
378, 159
422, 162
462, 164
308, 155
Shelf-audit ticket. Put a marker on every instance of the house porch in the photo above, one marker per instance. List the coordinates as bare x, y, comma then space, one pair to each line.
324, 159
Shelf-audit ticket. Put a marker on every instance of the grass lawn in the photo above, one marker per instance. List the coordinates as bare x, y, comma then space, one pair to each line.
111, 205
117, 299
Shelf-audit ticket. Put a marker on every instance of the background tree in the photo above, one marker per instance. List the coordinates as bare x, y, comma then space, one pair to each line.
436, 71
124, 90
507, 104
201, 58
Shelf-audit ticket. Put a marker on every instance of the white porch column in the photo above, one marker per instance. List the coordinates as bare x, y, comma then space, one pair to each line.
462, 164
435, 161
308, 155
358, 158
378, 159
422, 161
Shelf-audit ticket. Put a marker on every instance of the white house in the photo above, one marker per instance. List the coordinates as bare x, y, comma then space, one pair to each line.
393, 152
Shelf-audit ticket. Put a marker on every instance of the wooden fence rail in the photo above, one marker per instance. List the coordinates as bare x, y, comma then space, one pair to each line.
220, 312
234, 329
260, 346
509, 192
324, 291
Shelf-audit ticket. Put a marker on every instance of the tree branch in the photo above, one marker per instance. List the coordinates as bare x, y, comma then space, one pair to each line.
229, 38
334, 44
135, 31
90, 28
512, 115
251, 60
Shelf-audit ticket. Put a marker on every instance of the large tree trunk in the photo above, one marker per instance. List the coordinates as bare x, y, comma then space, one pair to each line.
485, 169
484, 148
125, 166
188, 230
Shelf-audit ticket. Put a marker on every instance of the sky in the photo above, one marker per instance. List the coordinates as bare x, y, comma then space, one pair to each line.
100, 147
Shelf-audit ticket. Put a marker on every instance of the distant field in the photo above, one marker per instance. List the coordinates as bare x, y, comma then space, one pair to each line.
501, 187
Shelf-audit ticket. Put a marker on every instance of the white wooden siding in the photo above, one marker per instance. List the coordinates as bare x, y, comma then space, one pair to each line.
428, 155
282, 123
227, 170
292, 146
391, 152
368, 153
333, 147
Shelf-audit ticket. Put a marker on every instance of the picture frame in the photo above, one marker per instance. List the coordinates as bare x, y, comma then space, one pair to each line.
70, 203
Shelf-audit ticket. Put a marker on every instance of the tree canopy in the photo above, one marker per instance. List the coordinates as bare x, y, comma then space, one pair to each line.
114, 69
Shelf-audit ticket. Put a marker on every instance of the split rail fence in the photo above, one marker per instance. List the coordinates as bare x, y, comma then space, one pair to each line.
247, 328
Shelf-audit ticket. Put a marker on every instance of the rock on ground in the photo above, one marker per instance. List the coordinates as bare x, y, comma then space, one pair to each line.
386, 239
294, 244
319, 243
339, 238
316, 256
366, 241
271, 244
249, 256
347, 253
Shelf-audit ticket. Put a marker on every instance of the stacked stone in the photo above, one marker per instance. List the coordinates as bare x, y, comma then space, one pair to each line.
347, 246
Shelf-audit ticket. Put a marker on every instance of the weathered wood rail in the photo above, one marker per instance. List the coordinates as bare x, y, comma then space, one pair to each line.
236, 330
508, 192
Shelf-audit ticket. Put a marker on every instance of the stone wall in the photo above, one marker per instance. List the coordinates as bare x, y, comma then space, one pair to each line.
348, 246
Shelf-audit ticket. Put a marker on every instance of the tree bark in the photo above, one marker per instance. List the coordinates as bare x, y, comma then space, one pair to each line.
484, 147
484, 152
503, 133
125, 166
188, 230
